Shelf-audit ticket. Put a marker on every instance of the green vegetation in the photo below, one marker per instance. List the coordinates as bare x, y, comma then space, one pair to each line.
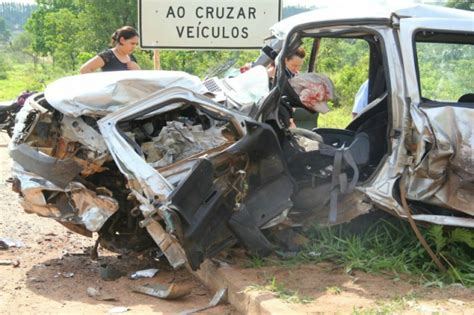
256, 262
461, 4
390, 247
445, 70
62, 34
4, 32
282, 292
338, 117
15, 14
25, 76
3, 70
334, 290
395, 306
346, 63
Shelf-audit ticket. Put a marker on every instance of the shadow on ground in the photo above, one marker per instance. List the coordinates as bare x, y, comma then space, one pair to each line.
67, 279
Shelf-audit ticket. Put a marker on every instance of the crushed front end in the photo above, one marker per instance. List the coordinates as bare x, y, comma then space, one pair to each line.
173, 169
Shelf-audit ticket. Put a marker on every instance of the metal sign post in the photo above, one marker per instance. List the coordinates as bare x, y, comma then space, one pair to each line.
156, 59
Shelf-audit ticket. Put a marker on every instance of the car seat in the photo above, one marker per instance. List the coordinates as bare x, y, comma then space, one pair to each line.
340, 156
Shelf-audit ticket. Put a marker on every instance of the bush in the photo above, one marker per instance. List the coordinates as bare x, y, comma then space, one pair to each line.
83, 57
3, 70
144, 59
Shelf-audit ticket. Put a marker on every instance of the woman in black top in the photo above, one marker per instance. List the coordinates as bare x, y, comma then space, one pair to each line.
118, 58
293, 64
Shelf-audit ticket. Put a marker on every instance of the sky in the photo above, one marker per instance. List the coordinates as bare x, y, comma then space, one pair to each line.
20, 1
318, 3
342, 3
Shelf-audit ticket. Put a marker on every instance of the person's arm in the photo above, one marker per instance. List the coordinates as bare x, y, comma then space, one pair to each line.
361, 99
92, 65
132, 65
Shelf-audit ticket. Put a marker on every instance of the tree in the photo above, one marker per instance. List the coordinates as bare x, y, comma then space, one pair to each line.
102, 18
70, 31
61, 35
55, 31
22, 43
65, 29
4, 32
461, 4
3, 70
36, 27
15, 14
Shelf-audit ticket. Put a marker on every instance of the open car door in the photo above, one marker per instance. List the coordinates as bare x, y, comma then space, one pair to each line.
438, 57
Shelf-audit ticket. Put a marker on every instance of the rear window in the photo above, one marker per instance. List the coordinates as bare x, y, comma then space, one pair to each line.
445, 65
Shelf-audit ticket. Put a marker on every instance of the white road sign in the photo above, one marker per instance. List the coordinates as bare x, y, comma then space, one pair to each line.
206, 24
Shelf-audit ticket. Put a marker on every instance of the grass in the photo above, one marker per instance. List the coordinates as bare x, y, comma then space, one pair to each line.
334, 290
282, 292
255, 262
395, 306
390, 248
338, 117
383, 247
17, 81
26, 76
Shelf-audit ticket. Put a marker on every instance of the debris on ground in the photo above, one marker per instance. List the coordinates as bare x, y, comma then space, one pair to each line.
164, 291
35, 280
8, 262
219, 298
65, 253
7, 243
99, 295
118, 310
109, 272
146, 273
65, 274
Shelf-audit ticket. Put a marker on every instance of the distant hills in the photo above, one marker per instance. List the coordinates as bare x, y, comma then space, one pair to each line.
15, 14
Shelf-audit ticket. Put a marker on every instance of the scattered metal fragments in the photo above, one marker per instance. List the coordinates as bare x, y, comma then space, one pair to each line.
65, 274
219, 298
99, 295
35, 280
164, 291
10, 262
109, 272
6, 243
146, 273
118, 309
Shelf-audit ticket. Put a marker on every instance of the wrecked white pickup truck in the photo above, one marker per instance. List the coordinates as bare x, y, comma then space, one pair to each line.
153, 158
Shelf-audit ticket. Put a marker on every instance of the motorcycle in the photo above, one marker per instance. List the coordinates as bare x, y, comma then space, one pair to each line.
9, 110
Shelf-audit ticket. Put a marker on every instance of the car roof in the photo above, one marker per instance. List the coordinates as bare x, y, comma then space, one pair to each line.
365, 12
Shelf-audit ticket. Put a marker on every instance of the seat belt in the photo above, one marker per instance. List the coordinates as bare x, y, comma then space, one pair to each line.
339, 182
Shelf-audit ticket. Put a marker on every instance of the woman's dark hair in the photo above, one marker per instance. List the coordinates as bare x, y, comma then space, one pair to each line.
299, 52
126, 32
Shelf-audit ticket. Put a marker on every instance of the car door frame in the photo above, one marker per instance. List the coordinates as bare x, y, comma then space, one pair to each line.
427, 133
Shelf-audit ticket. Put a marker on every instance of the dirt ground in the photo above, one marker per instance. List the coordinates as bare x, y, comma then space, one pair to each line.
55, 272
325, 288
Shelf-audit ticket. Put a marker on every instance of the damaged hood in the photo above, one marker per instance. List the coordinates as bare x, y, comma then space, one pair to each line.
97, 94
